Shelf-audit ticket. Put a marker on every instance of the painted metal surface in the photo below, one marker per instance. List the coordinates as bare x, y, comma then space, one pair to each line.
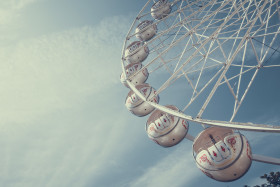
160, 9
136, 52
136, 105
205, 26
222, 153
139, 77
166, 130
146, 30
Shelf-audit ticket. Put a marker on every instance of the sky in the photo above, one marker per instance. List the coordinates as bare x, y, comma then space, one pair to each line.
63, 121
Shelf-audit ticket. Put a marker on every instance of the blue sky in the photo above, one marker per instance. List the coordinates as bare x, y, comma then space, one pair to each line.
62, 116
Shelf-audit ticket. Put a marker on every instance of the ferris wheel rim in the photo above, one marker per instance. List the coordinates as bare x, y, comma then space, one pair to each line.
233, 125
228, 124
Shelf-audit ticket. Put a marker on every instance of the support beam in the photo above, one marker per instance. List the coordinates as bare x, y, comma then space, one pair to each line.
266, 159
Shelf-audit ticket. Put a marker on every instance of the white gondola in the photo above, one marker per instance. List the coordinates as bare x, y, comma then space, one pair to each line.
210, 44
137, 79
146, 30
160, 9
136, 52
222, 154
136, 105
166, 130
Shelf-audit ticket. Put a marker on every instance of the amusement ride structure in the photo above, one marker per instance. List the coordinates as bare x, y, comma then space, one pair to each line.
191, 51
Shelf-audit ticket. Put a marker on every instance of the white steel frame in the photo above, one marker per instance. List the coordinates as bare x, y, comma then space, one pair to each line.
253, 18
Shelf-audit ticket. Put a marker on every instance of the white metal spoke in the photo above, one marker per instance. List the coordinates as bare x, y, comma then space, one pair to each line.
236, 76
223, 73
211, 46
239, 80
205, 58
245, 93
197, 51
255, 52
205, 86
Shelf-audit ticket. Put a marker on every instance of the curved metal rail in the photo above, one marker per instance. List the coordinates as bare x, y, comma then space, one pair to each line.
233, 125
249, 23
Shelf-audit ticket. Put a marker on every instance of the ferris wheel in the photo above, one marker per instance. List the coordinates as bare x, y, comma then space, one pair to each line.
181, 57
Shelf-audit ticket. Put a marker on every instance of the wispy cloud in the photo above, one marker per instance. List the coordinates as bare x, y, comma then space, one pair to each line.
176, 169
10, 10
59, 97
55, 71
12, 19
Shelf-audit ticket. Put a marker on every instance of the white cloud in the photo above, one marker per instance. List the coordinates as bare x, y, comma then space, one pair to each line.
177, 169
12, 19
16, 4
19, 4
52, 72
62, 118
10, 10
61, 151
62, 115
